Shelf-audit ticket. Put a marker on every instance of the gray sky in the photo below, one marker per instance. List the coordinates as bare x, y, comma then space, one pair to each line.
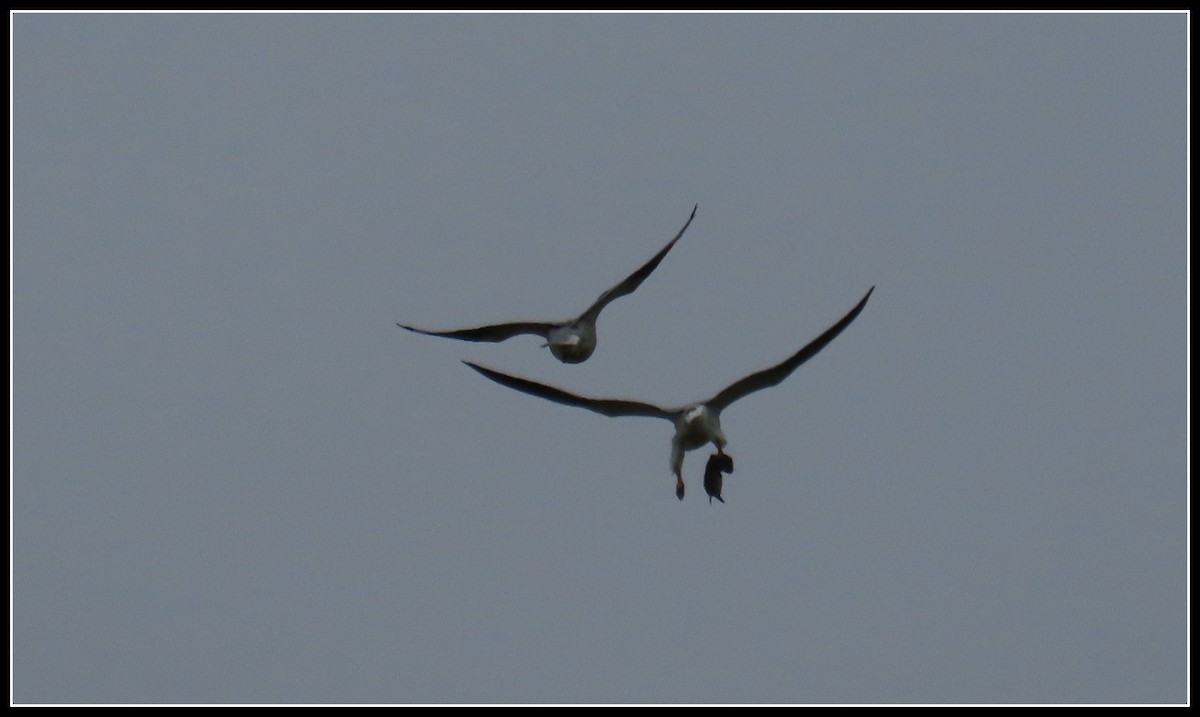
235, 480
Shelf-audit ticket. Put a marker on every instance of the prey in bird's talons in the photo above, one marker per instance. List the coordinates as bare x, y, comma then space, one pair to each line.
718, 463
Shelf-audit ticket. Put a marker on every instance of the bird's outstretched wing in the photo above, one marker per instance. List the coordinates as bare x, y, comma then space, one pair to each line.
775, 374
634, 280
493, 333
605, 406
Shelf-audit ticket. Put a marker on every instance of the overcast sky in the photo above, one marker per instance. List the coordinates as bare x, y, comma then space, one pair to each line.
235, 480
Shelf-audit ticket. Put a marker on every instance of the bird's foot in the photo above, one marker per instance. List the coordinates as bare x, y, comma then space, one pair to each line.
679, 487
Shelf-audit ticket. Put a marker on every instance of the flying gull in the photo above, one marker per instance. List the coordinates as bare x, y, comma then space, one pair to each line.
696, 424
571, 341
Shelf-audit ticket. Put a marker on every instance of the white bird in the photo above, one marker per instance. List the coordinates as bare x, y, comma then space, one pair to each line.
573, 340
695, 424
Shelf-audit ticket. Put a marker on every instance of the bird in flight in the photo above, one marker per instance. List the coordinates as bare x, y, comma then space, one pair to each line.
696, 424
571, 341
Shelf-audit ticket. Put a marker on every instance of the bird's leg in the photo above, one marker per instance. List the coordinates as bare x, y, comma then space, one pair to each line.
679, 485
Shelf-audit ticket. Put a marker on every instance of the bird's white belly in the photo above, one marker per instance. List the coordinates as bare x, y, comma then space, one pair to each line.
572, 344
700, 426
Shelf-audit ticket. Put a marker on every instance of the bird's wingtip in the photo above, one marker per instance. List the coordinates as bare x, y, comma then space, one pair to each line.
483, 370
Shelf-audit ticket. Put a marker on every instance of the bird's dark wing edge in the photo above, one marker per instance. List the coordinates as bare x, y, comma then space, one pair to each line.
772, 376
604, 406
634, 280
492, 333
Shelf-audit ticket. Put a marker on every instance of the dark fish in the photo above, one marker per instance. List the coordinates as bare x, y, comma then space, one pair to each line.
718, 463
